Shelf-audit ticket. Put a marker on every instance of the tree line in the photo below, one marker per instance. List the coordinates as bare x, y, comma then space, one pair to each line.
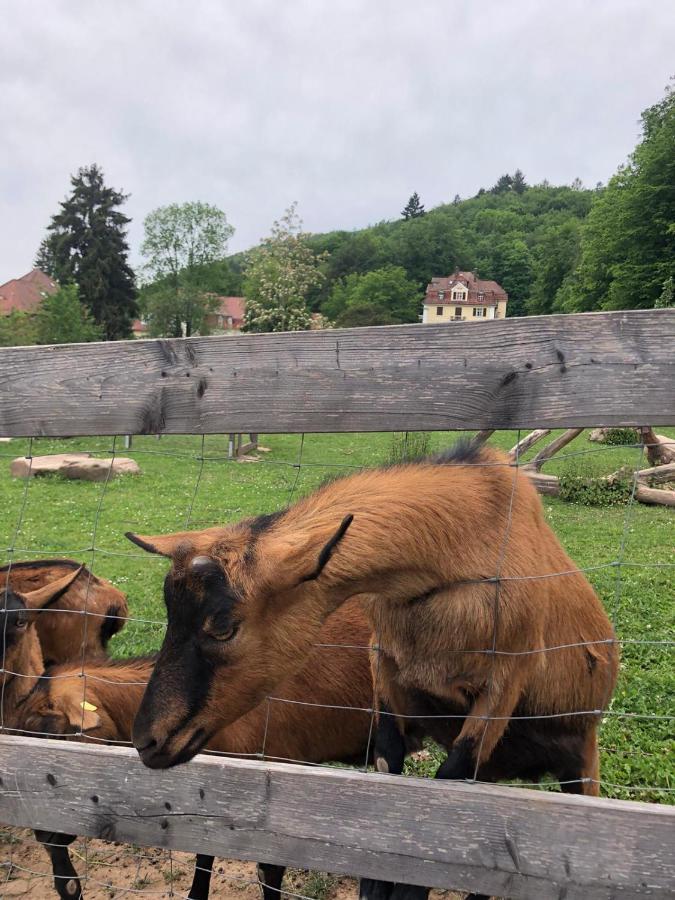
552, 248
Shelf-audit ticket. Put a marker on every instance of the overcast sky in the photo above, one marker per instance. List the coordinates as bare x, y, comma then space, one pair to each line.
347, 106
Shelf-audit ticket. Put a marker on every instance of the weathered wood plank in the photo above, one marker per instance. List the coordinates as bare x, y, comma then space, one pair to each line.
549, 371
497, 840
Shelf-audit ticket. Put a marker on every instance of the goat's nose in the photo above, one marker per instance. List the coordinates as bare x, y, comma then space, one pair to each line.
142, 747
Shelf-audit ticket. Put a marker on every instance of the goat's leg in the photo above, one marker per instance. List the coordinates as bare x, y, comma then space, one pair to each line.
390, 747
201, 880
583, 778
389, 757
270, 877
483, 727
66, 879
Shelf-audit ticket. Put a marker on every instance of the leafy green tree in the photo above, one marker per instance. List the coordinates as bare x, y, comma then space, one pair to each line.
17, 329
382, 297
504, 184
181, 245
361, 251
556, 256
513, 270
425, 247
87, 245
62, 319
279, 276
413, 208
359, 315
667, 296
628, 242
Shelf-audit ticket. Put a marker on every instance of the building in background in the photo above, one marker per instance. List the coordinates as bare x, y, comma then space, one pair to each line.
462, 297
25, 294
229, 316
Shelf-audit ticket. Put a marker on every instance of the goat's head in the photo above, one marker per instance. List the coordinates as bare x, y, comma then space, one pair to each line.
18, 611
236, 627
58, 706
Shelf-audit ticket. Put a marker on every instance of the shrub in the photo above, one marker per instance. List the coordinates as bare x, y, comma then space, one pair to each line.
593, 491
616, 437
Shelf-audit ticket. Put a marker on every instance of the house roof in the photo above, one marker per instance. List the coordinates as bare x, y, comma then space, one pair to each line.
481, 291
25, 293
231, 306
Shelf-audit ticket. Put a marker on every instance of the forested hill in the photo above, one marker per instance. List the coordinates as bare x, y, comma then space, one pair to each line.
527, 240
553, 249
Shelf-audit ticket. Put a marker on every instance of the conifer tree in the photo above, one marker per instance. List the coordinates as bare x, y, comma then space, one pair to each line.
518, 183
86, 245
413, 208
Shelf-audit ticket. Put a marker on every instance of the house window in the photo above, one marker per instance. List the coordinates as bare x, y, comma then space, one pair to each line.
441, 295
439, 310
458, 312
458, 295
479, 312
481, 295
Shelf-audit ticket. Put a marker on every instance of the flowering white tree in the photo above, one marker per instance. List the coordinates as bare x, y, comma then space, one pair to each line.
280, 273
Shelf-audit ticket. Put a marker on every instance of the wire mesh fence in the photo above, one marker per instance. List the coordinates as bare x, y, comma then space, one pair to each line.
192, 483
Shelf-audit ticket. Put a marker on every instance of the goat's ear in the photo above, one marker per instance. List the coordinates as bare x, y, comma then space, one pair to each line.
161, 544
329, 548
179, 542
82, 714
50, 592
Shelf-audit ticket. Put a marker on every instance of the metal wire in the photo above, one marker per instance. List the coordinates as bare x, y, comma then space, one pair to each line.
95, 551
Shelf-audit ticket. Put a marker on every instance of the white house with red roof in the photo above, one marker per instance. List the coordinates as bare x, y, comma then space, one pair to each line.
462, 297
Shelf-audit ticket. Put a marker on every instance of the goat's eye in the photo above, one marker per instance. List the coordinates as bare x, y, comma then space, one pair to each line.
225, 634
21, 623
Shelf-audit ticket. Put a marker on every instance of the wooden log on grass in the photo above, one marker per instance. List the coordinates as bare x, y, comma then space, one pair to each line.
657, 474
545, 484
528, 441
654, 496
660, 448
551, 449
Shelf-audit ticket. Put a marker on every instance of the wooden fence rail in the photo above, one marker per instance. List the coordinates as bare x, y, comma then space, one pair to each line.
544, 372
547, 372
510, 842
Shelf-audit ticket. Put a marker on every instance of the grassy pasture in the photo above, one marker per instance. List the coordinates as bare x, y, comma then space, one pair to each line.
179, 489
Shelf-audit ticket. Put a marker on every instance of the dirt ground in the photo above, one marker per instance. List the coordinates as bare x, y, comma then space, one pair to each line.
119, 870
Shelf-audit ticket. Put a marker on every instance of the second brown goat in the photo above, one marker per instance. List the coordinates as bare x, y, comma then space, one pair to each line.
82, 619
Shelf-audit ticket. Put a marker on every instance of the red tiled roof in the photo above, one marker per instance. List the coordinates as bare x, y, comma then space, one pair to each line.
491, 291
231, 306
25, 293
139, 327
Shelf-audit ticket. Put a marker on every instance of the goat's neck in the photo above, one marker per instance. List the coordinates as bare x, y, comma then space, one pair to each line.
394, 560
19, 677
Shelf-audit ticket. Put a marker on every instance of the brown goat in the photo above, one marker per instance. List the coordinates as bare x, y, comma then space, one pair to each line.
458, 561
102, 707
479, 615
20, 649
22, 666
95, 610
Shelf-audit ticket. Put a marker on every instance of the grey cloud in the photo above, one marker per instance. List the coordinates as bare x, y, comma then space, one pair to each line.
345, 105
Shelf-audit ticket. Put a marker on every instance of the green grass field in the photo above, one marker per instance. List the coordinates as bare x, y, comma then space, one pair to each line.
55, 517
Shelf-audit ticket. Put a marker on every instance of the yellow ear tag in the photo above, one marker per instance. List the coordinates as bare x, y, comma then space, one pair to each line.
85, 704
